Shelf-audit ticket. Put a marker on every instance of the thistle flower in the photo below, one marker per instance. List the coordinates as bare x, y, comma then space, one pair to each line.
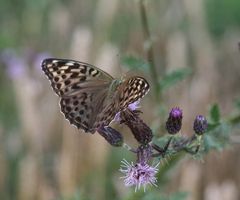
140, 174
142, 133
200, 125
174, 122
111, 135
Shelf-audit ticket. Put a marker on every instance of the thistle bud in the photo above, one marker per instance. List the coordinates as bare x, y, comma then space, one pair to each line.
111, 135
174, 122
200, 125
142, 133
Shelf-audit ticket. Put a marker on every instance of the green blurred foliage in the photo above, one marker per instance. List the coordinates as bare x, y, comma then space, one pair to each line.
215, 113
8, 105
222, 15
172, 78
135, 63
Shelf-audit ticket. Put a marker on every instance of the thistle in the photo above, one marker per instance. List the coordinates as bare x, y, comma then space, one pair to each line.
200, 125
141, 173
142, 133
112, 136
174, 122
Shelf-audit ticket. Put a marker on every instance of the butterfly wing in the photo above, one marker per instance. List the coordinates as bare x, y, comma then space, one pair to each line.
129, 91
81, 109
69, 76
82, 88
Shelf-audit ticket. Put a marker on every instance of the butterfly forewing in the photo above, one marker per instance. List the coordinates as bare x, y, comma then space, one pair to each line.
88, 99
68, 76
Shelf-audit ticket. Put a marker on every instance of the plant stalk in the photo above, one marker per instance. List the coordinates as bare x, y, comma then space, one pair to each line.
150, 52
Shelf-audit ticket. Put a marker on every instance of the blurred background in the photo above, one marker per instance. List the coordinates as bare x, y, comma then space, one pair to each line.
43, 157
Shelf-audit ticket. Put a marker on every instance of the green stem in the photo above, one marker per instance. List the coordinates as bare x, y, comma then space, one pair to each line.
150, 53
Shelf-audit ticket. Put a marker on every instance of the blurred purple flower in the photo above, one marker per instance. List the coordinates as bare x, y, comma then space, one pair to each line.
16, 66
139, 174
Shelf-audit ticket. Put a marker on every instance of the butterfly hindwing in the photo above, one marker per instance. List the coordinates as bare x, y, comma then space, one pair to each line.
81, 109
131, 90
77, 109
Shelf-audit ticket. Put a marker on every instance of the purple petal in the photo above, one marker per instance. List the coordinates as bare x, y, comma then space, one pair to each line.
134, 105
16, 66
138, 174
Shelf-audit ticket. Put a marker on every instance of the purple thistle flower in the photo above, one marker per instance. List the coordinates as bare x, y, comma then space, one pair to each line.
200, 125
174, 122
139, 174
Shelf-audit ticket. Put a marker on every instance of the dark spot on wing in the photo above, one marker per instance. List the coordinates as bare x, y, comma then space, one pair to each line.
78, 119
83, 78
74, 75
67, 82
81, 112
75, 103
68, 109
83, 71
58, 85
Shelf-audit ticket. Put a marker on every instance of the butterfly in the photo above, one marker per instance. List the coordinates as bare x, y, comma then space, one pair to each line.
89, 97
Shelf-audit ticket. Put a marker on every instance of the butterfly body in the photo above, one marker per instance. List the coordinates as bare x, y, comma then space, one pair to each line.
90, 97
